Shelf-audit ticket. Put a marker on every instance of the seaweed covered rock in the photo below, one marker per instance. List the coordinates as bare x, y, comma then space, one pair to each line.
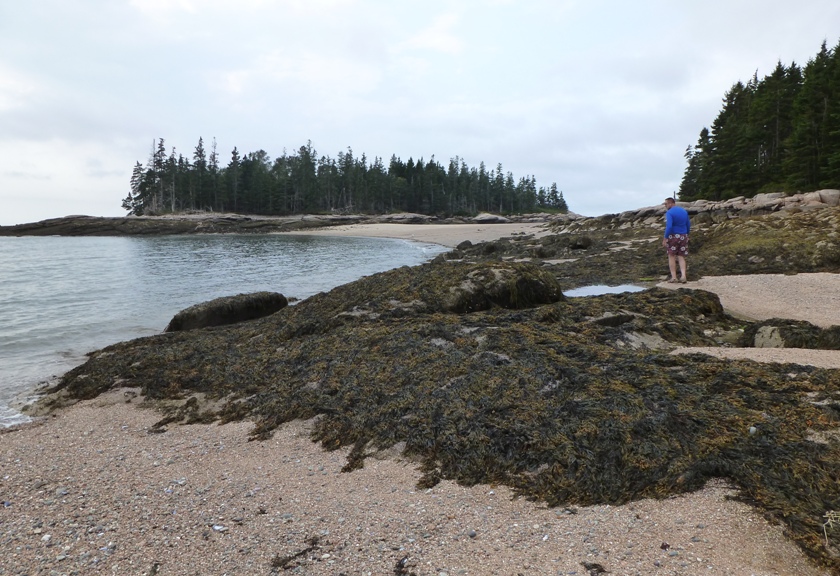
604, 251
440, 286
505, 285
783, 333
782, 242
540, 392
227, 310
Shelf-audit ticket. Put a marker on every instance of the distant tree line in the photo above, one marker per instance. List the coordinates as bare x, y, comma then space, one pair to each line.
307, 183
780, 133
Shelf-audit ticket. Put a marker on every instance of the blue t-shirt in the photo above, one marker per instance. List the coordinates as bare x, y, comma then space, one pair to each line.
677, 221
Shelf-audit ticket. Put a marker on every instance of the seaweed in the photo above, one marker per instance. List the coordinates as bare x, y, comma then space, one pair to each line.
482, 372
785, 333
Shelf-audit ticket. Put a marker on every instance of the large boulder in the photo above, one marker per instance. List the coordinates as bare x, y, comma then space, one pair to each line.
499, 284
768, 337
405, 218
830, 197
227, 310
485, 218
784, 333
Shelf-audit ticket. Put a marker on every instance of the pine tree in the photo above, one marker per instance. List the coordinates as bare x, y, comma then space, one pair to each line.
561, 202
554, 196
807, 142
233, 177
159, 170
731, 162
298, 183
693, 185
213, 168
200, 181
133, 203
831, 170
771, 116
172, 178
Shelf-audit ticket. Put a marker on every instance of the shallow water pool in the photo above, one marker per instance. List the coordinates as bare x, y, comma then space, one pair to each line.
599, 289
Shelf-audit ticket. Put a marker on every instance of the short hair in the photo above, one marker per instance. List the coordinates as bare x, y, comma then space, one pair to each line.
670, 199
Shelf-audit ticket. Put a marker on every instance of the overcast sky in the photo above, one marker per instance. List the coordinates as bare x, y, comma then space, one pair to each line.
601, 97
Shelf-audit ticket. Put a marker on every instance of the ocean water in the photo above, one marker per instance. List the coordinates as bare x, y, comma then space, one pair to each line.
62, 297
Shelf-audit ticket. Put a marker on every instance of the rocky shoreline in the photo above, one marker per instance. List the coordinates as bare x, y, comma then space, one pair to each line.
702, 212
209, 223
705, 212
160, 225
475, 368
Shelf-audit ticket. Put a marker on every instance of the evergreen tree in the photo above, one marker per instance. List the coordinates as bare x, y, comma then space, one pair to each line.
778, 133
213, 168
183, 180
732, 158
134, 202
198, 197
305, 183
771, 115
810, 114
465, 202
172, 177
159, 172
693, 186
561, 203
346, 179
327, 174
555, 200
233, 177
256, 180
830, 176
305, 180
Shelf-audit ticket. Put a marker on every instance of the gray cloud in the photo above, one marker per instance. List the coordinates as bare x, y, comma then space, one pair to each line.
600, 97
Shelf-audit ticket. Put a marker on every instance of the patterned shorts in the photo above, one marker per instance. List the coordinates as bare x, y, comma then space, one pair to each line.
677, 244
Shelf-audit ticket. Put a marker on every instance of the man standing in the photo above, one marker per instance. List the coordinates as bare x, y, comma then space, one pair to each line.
675, 241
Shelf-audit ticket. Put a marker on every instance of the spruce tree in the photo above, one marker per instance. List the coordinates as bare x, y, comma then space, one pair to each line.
810, 112
198, 198
303, 182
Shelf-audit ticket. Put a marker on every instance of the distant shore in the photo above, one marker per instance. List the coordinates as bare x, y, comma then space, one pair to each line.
444, 234
212, 223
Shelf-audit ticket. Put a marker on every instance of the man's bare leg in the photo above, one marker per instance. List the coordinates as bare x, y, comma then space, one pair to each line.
672, 264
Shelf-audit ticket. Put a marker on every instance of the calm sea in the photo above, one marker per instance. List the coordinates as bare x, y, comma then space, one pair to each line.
62, 297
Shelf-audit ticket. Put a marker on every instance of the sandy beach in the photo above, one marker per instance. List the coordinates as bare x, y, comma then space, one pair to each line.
444, 234
814, 298
89, 490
